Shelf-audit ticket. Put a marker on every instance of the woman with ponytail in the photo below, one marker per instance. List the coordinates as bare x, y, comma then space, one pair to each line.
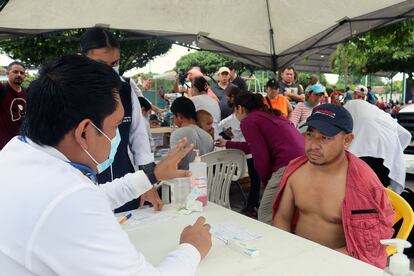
199, 88
273, 141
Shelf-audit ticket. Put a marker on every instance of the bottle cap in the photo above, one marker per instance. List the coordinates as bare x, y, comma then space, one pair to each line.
197, 157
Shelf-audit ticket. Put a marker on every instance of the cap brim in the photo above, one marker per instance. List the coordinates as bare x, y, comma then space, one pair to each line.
323, 127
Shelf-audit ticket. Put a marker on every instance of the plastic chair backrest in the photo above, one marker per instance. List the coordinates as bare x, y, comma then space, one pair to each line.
402, 210
223, 167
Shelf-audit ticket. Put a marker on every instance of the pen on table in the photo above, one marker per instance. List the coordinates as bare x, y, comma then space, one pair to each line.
241, 246
125, 218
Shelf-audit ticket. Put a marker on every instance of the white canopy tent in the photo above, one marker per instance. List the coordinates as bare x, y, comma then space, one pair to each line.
265, 33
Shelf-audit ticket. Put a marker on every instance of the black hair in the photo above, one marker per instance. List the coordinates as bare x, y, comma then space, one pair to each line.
153, 117
15, 63
253, 101
287, 68
231, 66
273, 84
200, 83
185, 107
232, 91
67, 91
96, 38
283, 69
144, 103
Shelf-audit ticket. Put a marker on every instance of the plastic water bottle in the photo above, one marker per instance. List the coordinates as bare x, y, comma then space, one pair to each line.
198, 178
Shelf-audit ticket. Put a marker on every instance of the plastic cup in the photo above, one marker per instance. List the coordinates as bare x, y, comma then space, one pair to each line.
180, 188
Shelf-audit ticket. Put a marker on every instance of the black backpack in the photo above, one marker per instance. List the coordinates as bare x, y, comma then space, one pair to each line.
408, 195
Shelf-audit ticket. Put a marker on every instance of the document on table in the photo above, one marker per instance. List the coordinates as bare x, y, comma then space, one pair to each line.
228, 230
142, 217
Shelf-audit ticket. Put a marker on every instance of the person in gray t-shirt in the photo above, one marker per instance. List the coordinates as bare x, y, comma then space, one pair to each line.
185, 118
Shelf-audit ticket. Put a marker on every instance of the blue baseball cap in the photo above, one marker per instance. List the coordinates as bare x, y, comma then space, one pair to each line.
330, 119
317, 89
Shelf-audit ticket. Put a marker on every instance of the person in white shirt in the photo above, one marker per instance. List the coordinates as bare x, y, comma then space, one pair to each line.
145, 110
379, 141
55, 219
202, 101
103, 46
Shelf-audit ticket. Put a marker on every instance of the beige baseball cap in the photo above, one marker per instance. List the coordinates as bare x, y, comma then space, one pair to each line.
223, 69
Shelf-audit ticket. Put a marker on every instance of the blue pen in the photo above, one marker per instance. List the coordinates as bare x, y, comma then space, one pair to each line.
125, 218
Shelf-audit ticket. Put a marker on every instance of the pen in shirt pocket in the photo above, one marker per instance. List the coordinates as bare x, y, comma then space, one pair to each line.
125, 218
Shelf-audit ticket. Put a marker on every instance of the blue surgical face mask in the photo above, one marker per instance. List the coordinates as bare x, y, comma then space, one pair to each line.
116, 69
114, 146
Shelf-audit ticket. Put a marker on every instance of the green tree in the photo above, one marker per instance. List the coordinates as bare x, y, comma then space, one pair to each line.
29, 78
304, 78
37, 50
387, 49
396, 87
208, 61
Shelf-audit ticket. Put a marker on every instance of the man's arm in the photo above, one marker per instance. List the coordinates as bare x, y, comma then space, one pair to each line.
124, 189
295, 97
286, 209
243, 146
343, 250
86, 239
290, 108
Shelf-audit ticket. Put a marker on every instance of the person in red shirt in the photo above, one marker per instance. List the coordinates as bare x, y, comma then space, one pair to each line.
12, 102
332, 197
335, 96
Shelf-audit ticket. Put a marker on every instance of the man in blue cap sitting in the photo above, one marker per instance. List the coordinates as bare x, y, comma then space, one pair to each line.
332, 197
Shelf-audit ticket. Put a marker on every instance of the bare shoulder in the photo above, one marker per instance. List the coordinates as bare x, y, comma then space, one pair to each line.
297, 176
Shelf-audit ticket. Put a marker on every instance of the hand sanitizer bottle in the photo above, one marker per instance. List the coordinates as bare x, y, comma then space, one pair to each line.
198, 171
399, 263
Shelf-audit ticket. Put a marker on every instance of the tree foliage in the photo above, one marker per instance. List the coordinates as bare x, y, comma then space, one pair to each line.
37, 50
304, 78
208, 61
387, 49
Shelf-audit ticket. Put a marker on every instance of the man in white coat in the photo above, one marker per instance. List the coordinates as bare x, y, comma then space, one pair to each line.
379, 141
55, 219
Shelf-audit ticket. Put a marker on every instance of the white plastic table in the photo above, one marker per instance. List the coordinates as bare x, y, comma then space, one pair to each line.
281, 253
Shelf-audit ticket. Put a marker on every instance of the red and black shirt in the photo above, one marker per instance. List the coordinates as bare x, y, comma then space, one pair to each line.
12, 110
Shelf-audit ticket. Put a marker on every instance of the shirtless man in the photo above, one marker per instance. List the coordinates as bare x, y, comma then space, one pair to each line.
330, 196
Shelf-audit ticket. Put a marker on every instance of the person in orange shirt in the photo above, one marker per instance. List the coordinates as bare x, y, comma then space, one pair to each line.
275, 100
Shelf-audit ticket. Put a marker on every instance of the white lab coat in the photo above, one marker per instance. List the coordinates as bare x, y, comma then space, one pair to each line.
378, 135
56, 221
139, 144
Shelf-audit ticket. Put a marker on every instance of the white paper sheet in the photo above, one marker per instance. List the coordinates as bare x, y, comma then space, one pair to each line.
145, 216
228, 230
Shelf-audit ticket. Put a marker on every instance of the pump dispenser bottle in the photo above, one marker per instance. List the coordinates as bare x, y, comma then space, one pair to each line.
198, 171
399, 263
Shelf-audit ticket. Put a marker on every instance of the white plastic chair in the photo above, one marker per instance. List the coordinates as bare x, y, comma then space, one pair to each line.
223, 167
